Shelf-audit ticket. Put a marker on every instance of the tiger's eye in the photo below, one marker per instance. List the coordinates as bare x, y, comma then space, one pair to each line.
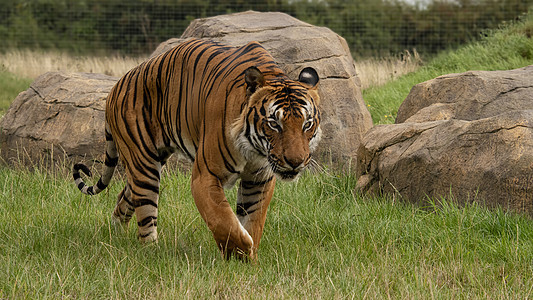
307, 125
273, 124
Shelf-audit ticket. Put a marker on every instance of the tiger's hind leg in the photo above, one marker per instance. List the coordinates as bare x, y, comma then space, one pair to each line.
144, 186
124, 209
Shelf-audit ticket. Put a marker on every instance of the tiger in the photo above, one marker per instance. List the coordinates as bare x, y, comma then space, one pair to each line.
232, 112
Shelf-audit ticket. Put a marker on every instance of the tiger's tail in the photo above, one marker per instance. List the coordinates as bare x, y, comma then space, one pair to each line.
111, 161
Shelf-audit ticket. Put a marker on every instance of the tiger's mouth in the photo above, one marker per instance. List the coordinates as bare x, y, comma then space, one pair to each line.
288, 175
282, 172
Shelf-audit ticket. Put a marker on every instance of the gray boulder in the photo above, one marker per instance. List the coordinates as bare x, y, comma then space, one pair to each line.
461, 136
468, 96
60, 116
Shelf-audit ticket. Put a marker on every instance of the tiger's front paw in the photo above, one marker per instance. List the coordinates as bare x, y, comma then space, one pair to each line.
240, 247
229, 251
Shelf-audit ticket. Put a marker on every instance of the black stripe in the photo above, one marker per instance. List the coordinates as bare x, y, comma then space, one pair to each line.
100, 185
128, 200
120, 212
236, 58
206, 164
146, 220
143, 167
251, 193
191, 52
83, 168
260, 170
182, 96
144, 235
243, 208
146, 92
240, 211
224, 138
135, 84
299, 101
247, 205
227, 163
108, 136
81, 185
144, 202
90, 191
154, 224
252, 184
110, 161
145, 186
153, 174
158, 88
143, 139
243, 213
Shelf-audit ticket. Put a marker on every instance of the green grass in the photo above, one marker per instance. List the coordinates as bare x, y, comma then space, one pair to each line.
507, 48
320, 241
10, 86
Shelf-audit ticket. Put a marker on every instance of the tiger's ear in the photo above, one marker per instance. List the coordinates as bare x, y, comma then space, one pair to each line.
309, 77
254, 79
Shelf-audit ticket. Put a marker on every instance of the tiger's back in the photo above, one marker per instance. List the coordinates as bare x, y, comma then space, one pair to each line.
216, 106
175, 91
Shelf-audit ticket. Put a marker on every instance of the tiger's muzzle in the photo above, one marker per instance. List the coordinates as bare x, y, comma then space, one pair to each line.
287, 169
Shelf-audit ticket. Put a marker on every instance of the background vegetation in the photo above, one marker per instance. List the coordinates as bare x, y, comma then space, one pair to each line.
509, 47
371, 27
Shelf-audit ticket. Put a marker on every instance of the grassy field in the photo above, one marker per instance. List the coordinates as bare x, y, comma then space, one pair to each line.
321, 239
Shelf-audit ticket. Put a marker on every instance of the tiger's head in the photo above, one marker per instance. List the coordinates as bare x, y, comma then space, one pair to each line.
280, 123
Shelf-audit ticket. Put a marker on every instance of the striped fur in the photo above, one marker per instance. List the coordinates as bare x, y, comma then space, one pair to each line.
232, 112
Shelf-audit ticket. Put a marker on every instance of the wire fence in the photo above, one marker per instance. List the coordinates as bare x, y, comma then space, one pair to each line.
136, 27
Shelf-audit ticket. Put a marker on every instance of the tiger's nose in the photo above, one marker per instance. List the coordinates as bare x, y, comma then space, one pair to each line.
294, 162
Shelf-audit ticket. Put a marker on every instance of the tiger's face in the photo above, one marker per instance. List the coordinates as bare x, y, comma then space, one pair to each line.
280, 124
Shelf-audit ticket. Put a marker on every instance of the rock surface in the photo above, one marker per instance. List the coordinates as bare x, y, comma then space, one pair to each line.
60, 115
463, 136
295, 45
468, 96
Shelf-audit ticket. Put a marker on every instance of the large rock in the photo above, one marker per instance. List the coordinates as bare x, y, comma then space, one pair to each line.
294, 45
468, 96
60, 116
465, 136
